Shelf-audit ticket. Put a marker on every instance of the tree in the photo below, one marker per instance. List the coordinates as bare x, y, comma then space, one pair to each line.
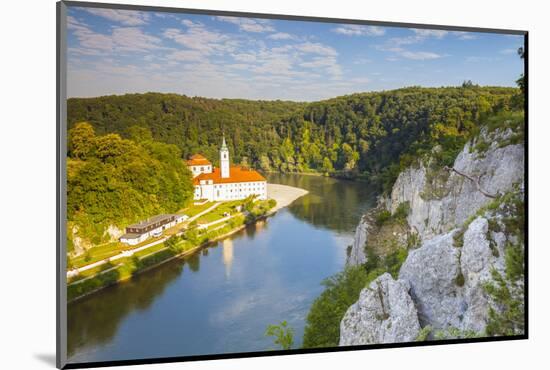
81, 140
327, 165
282, 333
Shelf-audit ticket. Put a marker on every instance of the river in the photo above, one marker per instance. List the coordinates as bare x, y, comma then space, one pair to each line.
222, 299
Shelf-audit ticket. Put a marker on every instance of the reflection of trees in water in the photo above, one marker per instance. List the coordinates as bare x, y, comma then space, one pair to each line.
194, 262
95, 319
331, 203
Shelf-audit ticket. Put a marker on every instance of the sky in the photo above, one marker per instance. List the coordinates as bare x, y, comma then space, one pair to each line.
120, 51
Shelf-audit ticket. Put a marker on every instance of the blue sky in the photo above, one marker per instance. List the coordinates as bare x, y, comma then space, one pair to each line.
120, 51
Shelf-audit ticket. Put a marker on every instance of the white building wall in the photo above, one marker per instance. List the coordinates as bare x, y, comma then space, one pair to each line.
231, 191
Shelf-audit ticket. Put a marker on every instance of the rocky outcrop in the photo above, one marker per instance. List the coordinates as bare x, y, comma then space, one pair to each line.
447, 280
114, 233
384, 313
444, 277
357, 254
439, 208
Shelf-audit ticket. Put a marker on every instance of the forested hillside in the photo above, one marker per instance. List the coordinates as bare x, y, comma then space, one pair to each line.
112, 182
369, 135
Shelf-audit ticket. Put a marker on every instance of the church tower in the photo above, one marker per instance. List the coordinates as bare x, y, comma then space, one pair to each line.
224, 160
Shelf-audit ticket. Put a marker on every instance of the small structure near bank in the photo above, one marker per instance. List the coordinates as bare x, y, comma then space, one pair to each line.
152, 227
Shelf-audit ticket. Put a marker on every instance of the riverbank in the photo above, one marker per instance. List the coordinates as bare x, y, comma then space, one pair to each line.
131, 266
284, 195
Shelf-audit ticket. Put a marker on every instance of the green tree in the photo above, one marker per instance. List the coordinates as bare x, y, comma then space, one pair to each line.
282, 333
81, 140
323, 320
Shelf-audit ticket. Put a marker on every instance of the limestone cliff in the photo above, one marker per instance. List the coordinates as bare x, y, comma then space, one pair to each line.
463, 235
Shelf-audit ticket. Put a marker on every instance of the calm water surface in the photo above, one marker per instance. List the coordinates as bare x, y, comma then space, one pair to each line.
222, 299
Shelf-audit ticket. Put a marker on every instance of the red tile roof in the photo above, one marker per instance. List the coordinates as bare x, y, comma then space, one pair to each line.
237, 174
198, 160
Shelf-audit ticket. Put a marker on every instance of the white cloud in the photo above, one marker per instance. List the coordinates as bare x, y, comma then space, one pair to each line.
395, 45
280, 36
186, 56
125, 17
438, 34
244, 57
134, 39
248, 24
198, 37
316, 48
359, 30
419, 55
318, 62
464, 35
123, 39
509, 51
476, 59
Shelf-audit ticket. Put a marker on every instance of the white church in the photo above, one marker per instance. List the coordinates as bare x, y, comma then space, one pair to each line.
226, 182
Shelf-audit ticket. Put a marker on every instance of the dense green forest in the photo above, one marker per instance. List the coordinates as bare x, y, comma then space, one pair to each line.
125, 163
116, 181
368, 135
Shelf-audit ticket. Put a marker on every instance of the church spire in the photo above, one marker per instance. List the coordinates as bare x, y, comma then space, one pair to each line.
224, 145
224, 159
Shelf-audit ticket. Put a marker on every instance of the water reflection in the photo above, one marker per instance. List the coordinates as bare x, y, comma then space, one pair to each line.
117, 302
221, 299
331, 203
227, 254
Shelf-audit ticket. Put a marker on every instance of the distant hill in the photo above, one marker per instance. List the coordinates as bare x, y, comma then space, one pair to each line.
370, 135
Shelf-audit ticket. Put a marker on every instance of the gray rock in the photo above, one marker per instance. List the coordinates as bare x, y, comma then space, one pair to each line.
357, 254
432, 271
384, 313
429, 290
499, 168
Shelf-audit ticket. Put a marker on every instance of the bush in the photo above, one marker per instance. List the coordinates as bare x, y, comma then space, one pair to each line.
382, 217
402, 211
323, 320
284, 335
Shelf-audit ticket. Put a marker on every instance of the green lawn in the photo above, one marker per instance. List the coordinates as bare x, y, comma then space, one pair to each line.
95, 254
218, 212
194, 210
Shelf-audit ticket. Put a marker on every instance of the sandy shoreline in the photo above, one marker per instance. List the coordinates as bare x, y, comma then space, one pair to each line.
284, 194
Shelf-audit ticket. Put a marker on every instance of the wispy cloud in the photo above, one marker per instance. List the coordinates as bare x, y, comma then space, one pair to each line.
508, 51
198, 37
122, 39
281, 36
125, 17
395, 45
359, 30
249, 24
462, 35
424, 33
316, 48
419, 55
123, 51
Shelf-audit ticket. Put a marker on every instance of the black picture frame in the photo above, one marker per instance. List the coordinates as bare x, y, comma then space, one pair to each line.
61, 111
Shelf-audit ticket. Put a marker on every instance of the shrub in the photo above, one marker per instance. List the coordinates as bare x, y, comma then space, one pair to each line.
284, 335
459, 280
323, 320
382, 217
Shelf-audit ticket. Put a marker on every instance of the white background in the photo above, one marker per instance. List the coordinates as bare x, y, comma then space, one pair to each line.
27, 181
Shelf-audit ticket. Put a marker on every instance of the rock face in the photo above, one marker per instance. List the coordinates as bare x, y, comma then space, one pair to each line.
442, 298
384, 313
499, 168
357, 254
441, 283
